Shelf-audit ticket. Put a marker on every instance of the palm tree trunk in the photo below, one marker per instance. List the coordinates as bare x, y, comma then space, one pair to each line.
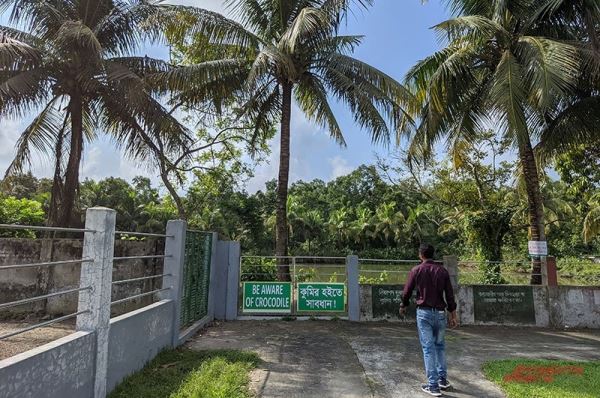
281, 239
72, 172
534, 202
57, 186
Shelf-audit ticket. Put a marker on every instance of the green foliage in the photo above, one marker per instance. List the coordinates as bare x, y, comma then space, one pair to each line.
138, 205
258, 269
185, 373
20, 211
381, 279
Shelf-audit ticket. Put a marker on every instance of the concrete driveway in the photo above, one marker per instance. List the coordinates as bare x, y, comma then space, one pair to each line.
382, 360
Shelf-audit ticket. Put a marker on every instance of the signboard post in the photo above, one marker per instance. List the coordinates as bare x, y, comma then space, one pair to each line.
267, 297
321, 297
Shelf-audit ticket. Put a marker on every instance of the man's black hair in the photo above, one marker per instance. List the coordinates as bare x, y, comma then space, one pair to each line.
426, 250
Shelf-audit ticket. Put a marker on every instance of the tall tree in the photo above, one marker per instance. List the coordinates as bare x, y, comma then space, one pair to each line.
290, 49
73, 60
495, 70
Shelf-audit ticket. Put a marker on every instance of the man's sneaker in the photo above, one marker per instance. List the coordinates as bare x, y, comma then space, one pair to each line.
433, 392
444, 384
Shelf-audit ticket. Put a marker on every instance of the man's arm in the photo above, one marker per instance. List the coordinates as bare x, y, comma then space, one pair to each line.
408, 291
450, 302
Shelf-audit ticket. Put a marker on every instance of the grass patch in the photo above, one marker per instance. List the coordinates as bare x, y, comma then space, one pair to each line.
185, 373
545, 379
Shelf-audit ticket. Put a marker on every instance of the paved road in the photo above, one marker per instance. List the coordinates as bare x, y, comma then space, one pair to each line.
381, 360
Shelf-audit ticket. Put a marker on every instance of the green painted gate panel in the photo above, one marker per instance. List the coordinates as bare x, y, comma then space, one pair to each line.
196, 276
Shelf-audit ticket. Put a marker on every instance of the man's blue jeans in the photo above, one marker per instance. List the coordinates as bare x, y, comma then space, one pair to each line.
432, 329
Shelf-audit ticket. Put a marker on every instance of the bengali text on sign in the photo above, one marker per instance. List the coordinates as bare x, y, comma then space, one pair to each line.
321, 297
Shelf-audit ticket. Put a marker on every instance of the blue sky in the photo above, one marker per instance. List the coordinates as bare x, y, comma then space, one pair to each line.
397, 34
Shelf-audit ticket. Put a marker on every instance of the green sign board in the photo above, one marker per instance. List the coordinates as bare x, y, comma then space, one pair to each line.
504, 304
267, 297
321, 297
387, 299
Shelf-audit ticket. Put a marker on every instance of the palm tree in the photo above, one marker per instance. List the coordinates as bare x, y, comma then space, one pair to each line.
389, 222
75, 63
591, 223
312, 226
363, 228
290, 49
339, 225
494, 70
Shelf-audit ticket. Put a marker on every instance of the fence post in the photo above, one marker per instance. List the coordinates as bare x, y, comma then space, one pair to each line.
451, 264
220, 282
98, 246
212, 280
353, 288
173, 269
233, 281
549, 272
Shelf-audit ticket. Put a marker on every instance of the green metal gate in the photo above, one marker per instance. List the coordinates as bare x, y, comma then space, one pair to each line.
196, 276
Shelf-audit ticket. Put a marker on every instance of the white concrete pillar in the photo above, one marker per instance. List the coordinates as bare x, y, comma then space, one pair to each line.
451, 264
98, 246
212, 280
353, 288
233, 281
173, 268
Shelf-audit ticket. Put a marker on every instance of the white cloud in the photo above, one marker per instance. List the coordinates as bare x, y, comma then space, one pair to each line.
102, 160
339, 167
9, 133
213, 5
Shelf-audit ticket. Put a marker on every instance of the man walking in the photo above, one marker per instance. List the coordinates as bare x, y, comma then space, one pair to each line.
433, 283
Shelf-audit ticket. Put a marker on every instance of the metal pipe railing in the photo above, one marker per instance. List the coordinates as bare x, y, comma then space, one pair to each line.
370, 271
139, 296
42, 324
143, 234
38, 298
374, 260
41, 228
46, 264
139, 257
140, 279
495, 262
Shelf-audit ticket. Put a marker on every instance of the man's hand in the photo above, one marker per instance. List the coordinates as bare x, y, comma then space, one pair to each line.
452, 320
402, 311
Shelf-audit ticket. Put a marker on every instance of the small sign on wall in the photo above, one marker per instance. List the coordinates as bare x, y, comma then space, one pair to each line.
387, 299
504, 304
538, 248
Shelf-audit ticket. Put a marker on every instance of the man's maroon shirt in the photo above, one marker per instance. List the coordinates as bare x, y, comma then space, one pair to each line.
432, 282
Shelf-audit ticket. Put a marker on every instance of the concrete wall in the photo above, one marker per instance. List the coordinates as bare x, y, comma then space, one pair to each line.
559, 307
574, 307
63, 368
16, 284
136, 338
